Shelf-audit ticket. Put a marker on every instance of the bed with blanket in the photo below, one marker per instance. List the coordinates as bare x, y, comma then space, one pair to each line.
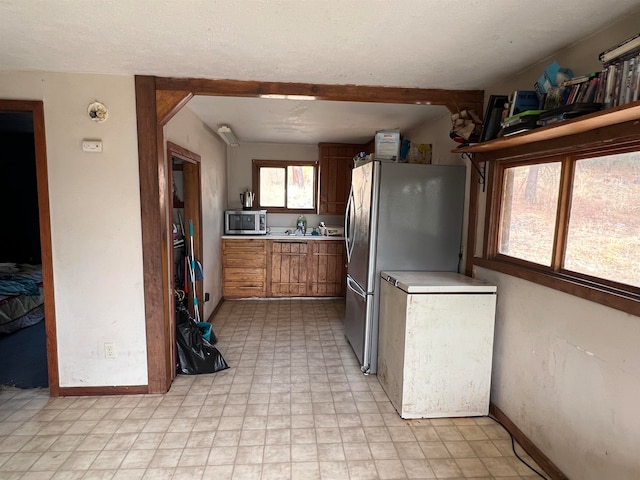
21, 296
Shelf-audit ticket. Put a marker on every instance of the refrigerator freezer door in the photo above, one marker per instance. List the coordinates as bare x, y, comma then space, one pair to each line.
355, 321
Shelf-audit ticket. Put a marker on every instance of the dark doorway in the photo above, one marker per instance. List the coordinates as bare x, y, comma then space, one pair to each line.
22, 326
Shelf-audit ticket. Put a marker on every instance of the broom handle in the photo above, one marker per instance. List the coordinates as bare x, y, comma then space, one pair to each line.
193, 273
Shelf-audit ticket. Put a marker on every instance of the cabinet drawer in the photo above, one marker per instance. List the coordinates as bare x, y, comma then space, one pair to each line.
245, 275
244, 268
232, 290
246, 261
252, 246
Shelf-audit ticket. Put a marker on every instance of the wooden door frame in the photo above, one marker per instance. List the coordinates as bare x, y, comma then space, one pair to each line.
36, 107
158, 99
192, 202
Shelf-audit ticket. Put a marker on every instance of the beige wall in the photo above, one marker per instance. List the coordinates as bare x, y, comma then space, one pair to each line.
240, 177
566, 370
188, 131
95, 223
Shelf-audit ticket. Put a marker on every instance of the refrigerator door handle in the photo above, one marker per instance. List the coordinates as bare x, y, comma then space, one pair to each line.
355, 288
348, 220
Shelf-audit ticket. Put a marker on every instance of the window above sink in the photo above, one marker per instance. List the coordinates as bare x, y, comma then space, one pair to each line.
285, 186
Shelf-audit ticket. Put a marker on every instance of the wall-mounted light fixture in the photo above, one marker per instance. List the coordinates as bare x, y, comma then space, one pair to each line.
228, 136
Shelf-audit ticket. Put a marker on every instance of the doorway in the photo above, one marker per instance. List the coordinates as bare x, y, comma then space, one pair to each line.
157, 101
185, 201
29, 316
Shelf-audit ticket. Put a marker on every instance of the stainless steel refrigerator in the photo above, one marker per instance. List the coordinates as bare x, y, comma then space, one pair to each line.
400, 216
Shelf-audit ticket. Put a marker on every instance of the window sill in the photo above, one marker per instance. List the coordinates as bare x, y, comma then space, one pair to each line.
625, 301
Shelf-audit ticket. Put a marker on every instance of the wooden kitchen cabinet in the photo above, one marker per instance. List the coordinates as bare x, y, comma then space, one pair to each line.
288, 268
327, 269
244, 268
283, 268
334, 172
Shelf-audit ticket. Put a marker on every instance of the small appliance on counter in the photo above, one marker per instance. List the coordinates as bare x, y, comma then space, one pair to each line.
246, 199
329, 231
245, 222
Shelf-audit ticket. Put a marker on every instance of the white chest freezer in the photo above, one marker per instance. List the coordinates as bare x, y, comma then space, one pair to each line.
435, 343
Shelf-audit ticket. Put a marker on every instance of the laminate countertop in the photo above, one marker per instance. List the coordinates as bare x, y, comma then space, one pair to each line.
277, 236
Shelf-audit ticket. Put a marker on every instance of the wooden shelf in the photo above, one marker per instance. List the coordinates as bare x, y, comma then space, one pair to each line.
586, 123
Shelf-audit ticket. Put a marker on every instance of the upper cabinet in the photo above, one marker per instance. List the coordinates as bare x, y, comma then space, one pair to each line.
334, 172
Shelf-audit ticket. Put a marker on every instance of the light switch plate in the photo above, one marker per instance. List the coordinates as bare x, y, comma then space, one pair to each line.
94, 146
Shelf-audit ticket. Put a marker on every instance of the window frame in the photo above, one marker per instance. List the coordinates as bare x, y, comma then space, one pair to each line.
257, 164
607, 292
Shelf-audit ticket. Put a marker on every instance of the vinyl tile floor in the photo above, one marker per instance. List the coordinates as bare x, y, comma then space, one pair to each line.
293, 405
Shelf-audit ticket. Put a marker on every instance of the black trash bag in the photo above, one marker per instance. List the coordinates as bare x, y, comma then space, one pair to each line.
195, 354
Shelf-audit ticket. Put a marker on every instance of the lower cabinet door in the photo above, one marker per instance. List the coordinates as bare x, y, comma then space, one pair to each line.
289, 269
328, 269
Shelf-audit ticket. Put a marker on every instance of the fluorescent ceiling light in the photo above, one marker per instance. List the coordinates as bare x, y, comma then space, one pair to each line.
273, 96
278, 96
228, 136
300, 97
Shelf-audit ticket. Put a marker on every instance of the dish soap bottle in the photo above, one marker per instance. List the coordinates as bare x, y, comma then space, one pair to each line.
301, 224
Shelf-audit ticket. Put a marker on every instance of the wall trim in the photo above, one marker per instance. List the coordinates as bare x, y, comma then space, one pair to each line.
215, 310
527, 445
95, 391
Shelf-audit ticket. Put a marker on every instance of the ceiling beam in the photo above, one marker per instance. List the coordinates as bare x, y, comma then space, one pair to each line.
170, 102
454, 100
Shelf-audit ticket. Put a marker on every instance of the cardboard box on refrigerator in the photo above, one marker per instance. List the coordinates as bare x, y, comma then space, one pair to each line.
387, 145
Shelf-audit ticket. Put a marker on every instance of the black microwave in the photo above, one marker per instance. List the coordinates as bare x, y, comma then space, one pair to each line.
245, 222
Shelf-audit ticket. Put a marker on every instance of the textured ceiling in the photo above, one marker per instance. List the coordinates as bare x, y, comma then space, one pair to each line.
411, 43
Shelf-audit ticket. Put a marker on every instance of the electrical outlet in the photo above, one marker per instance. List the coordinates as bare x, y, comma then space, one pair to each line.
110, 350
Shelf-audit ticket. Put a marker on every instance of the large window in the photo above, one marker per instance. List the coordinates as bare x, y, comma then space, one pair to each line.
285, 186
576, 217
529, 211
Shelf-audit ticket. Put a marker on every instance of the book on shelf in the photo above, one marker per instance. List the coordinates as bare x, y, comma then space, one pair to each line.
554, 97
493, 116
627, 46
512, 130
580, 79
590, 92
567, 112
630, 67
522, 100
636, 81
528, 116
619, 83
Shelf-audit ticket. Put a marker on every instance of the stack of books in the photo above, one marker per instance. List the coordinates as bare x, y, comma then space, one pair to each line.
521, 122
566, 112
581, 89
620, 75
522, 113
